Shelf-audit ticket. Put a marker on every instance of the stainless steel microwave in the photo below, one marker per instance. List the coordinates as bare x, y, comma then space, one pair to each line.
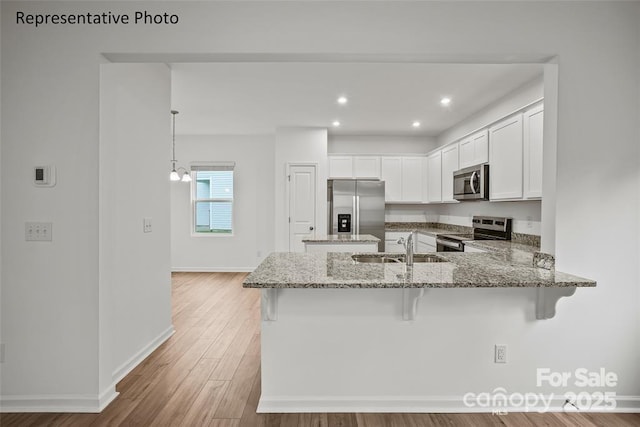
471, 183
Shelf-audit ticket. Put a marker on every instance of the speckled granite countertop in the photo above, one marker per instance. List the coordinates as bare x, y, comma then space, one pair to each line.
348, 238
460, 270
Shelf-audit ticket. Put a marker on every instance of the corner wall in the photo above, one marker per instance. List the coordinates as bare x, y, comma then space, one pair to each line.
253, 207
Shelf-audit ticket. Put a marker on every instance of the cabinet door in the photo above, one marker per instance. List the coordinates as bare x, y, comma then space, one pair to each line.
412, 179
434, 180
480, 147
532, 144
340, 167
467, 153
449, 166
505, 158
366, 167
392, 176
474, 149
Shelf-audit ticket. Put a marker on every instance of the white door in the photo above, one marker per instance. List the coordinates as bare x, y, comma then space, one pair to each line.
449, 166
434, 181
505, 157
302, 205
412, 179
532, 173
392, 176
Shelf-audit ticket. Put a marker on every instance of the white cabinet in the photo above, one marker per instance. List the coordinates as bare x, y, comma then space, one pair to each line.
505, 158
340, 167
449, 166
474, 149
426, 243
366, 167
412, 179
434, 177
354, 167
391, 174
391, 241
403, 179
532, 156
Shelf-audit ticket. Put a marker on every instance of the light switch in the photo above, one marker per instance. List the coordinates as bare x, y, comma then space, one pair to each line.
38, 231
146, 225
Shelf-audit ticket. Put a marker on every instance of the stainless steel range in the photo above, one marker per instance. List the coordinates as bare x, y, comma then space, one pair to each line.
484, 228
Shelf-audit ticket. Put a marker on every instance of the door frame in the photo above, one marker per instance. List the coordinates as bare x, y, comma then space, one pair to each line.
287, 180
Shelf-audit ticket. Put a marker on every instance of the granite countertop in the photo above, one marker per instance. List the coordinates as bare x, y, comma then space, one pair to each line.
346, 238
459, 270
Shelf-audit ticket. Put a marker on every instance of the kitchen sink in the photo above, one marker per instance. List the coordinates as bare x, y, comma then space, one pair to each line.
380, 259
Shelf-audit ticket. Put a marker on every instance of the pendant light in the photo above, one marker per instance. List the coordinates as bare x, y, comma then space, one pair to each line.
175, 175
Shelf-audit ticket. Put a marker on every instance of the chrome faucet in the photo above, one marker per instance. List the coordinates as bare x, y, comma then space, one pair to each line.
408, 246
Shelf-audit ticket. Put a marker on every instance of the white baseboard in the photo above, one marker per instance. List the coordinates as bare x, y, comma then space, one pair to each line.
212, 269
135, 360
445, 404
58, 403
81, 403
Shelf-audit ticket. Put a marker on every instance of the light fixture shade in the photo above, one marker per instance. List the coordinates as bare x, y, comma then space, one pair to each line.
174, 176
186, 177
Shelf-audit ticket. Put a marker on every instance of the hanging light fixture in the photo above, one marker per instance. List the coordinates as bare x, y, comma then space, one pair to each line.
174, 175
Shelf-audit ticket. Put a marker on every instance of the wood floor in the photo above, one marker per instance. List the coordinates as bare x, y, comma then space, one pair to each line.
208, 374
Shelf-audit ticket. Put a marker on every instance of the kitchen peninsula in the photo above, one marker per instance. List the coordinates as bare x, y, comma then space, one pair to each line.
334, 322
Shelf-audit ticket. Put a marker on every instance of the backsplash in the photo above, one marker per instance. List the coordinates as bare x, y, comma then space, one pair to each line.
527, 239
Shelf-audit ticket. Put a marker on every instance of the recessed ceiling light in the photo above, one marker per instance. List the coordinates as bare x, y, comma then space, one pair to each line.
335, 123
445, 101
342, 100
416, 124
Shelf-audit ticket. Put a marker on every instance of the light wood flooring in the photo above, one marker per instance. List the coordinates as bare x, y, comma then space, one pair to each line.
208, 374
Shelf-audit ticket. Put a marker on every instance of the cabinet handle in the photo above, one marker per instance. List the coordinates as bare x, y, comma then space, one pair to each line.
473, 182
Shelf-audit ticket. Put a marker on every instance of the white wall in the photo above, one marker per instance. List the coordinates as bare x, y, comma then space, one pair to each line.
134, 266
50, 113
253, 209
303, 145
380, 144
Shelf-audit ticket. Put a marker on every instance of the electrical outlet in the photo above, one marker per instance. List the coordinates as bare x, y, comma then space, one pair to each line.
38, 231
500, 353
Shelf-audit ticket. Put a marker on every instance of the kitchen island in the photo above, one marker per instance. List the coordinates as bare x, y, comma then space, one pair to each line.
342, 335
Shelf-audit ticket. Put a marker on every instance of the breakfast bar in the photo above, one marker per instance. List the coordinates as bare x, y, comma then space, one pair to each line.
364, 323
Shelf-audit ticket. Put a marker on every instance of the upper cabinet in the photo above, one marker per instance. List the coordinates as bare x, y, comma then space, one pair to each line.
412, 179
474, 149
403, 179
434, 177
532, 156
505, 159
449, 166
340, 167
392, 176
366, 167
354, 167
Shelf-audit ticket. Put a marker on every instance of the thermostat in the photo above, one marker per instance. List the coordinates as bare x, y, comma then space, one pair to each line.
44, 176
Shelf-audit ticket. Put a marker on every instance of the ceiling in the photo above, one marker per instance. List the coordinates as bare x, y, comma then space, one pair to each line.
383, 98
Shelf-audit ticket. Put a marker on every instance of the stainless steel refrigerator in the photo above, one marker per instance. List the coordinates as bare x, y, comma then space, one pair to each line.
356, 206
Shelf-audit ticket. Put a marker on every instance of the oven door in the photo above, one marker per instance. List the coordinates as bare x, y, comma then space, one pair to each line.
443, 245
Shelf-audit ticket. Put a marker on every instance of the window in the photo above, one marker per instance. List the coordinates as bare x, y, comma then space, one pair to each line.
213, 199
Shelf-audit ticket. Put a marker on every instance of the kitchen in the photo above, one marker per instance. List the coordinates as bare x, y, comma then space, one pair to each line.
596, 155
